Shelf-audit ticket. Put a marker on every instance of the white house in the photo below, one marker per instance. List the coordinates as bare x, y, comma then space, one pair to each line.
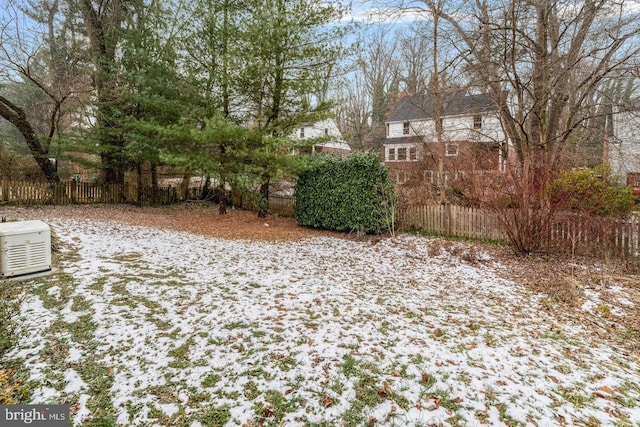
623, 145
471, 128
327, 129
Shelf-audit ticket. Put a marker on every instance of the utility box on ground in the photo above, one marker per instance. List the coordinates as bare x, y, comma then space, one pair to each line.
25, 248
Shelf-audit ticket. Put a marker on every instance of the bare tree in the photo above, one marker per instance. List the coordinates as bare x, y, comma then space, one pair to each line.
415, 58
40, 64
435, 9
379, 69
547, 59
542, 62
353, 113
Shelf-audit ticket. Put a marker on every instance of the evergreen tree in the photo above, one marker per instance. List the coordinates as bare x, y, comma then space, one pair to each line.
264, 64
287, 45
153, 94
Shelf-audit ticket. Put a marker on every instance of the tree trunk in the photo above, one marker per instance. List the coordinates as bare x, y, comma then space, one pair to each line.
437, 106
154, 183
17, 117
103, 25
263, 208
139, 182
222, 198
184, 185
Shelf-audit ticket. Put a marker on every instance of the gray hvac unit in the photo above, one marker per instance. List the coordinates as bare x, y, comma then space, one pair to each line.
25, 248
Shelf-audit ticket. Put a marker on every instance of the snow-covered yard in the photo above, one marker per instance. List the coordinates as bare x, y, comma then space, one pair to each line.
142, 326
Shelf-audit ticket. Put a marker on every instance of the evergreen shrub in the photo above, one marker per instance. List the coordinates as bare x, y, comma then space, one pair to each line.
352, 193
591, 191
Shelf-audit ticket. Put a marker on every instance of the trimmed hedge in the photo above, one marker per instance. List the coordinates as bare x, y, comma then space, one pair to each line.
349, 193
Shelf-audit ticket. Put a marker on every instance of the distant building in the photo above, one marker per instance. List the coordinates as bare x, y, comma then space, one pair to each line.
623, 144
327, 131
471, 130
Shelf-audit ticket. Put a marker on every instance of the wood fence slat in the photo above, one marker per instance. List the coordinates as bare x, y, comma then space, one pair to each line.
584, 235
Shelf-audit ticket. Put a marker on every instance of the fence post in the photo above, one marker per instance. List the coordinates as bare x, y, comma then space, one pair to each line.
4, 189
448, 218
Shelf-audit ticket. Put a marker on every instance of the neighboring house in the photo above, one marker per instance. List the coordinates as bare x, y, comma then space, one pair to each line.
328, 130
472, 132
623, 145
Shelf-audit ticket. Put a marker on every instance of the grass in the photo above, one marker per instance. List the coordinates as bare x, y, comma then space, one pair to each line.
99, 379
371, 389
181, 356
214, 416
9, 308
211, 380
15, 385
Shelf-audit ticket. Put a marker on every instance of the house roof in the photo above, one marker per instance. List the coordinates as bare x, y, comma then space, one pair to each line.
453, 104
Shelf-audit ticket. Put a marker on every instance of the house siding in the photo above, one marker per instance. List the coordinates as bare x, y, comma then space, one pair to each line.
324, 129
320, 129
458, 128
624, 146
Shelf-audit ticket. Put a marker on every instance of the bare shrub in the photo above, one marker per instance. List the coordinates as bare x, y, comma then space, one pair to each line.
520, 204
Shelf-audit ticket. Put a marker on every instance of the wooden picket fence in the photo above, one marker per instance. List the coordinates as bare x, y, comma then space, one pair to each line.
71, 192
599, 236
39, 193
282, 205
580, 235
452, 221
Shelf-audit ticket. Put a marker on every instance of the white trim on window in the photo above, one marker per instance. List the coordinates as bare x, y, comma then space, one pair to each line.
413, 154
402, 153
401, 176
391, 154
428, 176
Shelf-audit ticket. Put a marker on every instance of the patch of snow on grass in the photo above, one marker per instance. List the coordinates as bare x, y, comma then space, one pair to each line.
320, 330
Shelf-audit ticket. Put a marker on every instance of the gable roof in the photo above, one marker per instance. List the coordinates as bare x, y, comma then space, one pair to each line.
453, 104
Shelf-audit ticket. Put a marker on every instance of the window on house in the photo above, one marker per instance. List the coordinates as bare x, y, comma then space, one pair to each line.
402, 154
391, 154
302, 132
451, 150
477, 121
326, 131
401, 176
413, 153
428, 176
405, 128
387, 129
